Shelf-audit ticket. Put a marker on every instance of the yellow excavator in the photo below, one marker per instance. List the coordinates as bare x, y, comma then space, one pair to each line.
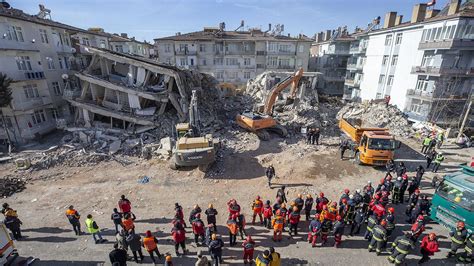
262, 123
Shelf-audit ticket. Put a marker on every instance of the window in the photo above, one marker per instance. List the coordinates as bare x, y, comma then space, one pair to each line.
50, 63
398, 39
61, 65
388, 40
246, 47
284, 62
167, 48
457, 195
273, 46
219, 75
38, 117
56, 88
451, 34
183, 62
102, 44
55, 113
247, 61
44, 36
231, 61
31, 91
66, 63
438, 33
273, 61
384, 60
232, 75
394, 60
119, 48
183, 47
15, 33
299, 62
23, 62
204, 62
85, 41
432, 35
381, 79
246, 75
202, 48
301, 48
390, 80
218, 61
284, 48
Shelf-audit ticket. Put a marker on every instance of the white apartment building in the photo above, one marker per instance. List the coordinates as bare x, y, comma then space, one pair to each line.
234, 56
123, 44
425, 64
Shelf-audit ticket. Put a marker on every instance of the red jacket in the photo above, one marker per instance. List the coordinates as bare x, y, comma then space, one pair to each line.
431, 246
379, 210
198, 227
294, 217
179, 235
267, 212
248, 245
417, 228
124, 205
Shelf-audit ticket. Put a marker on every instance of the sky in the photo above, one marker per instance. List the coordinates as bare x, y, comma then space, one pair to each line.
149, 19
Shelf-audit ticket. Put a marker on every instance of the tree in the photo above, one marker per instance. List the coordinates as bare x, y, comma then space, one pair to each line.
5, 100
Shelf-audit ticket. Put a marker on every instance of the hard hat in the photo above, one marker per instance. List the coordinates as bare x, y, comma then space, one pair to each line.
432, 236
420, 217
383, 223
258, 197
316, 216
249, 238
344, 200
168, 258
460, 224
338, 218
321, 194
399, 178
351, 196
198, 215
346, 191
295, 208
417, 191
358, 190
369, 182
283, 205
325, 207
148, 233
308, 196
440, 153
391, 210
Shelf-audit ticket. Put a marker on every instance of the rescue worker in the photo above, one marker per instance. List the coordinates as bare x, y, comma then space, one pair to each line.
74, 217
390, 166
179, 237
94, 229
338, 231
413, 185
359, 218
275, 257
276, 206
169, 261
357, 198
403, 188
420, 171
7, 211
365, 201
14, 225
397, 186
257, 207
372, 221
128, 222
267, 215
134, 243
378, 209
321, 201
345, 195
118, 256
209, 231
425, 144
314, 230
198, 229
309, 135
429, 158
308, 205
211, 215
390, 219
124, 205
439, 158
432, 144
120, 238
116, 217
401, 169
349, 213
316, 136
196, 209
439, 139
263, 259
281, 195
270, 173
241, 224
342, 208
233, 229
299, 202
249, 247
379, 238
294, 219
233, 207
418, 227
150, 243
467, 256
412, 201
278, 224
179, 214
401, 247
326, 227
343, 146
215, 249
333, 211
368, 189
422, 207
429, 246
384, 199
458, 238
284, 213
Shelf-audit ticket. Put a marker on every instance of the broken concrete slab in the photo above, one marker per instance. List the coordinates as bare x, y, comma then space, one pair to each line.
115, 146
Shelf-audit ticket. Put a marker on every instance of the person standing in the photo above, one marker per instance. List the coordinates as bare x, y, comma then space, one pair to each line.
14, 225
233, 229
125, 205
281, 195
379, 238
74, 217
198, 229
308, 205
309, 135
359, 218
215, 249
439, 158
150, 243
94, 229
275, 257
116, 217
211, 215
439, 139
249, 247
316, 135
338, 231
277, 223
467, 256
429, 158
267, 214
263, 259
343, 146
179, 237
270, 173
118, 256
429, 246
257, 207
135, 245
458, 238
193, 213
294, 219
425, 144
401, 247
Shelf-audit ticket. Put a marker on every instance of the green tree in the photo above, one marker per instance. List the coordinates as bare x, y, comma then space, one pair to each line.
5, 100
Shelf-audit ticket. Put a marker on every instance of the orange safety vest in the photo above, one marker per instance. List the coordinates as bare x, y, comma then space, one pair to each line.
149, 243
128, 224
232, 225
71, 212
257, 206
278, 223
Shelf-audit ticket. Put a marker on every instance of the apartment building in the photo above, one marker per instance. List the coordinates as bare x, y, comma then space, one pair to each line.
425, 64
234, 56
355, 64
329, 55
123, 44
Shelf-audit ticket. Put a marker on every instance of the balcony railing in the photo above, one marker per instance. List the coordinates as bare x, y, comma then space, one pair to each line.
463, 44
420, 94
334, 79
357, 50
355, 66
185, 52
352, 82
437, 71
30, 103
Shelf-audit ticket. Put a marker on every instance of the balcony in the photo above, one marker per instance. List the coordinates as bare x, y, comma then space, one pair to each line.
334, 79
443, 71
240, 52
418, 94
281, 52
357, 50
462, 44
343, 66
355, 66
30, 103
186, 52
352, 82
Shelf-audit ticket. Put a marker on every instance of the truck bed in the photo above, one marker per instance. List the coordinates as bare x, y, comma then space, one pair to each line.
352, 128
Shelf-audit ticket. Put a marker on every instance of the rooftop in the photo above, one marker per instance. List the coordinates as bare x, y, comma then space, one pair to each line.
215, 34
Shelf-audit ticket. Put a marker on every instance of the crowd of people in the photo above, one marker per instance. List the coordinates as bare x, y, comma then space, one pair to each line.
370, 207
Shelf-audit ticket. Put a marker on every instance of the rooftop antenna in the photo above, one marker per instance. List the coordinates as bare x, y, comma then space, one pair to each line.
242, 23
373, 25
279, 28
44, 13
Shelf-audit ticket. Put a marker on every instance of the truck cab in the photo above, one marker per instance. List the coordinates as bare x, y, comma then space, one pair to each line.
7, 248
453, 200
376, 148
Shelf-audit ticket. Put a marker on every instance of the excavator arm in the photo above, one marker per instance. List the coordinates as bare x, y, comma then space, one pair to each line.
278, 88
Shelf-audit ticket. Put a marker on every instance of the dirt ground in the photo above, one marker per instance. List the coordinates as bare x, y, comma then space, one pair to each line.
302, 168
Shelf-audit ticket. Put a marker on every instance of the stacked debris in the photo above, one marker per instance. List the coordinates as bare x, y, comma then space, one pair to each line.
10, 185
378, 115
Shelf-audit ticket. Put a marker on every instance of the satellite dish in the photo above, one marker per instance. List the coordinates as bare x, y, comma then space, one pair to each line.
73, 50
5, 4
64, 76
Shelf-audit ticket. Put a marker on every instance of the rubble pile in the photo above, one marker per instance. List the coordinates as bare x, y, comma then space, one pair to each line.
378, 115
10, 185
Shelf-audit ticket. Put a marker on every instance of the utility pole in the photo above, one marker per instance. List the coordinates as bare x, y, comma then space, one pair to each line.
466, 115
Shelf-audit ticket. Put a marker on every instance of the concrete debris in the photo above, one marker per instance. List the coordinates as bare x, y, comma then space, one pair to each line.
379, 115
10, 185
